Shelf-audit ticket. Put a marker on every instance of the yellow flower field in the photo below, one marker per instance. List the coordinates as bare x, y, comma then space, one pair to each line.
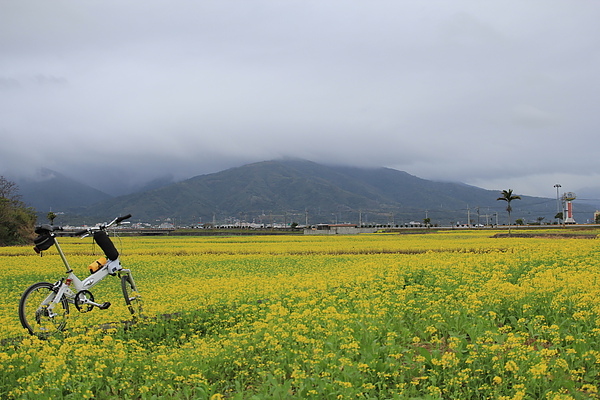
452, 314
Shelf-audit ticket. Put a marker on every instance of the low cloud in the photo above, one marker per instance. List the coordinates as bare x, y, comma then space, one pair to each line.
532, 117
116, 94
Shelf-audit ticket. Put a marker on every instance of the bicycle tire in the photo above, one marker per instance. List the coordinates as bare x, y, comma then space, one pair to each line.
34, 315
133, 300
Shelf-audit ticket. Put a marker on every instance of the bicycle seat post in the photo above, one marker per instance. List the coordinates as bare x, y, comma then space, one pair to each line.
62, 256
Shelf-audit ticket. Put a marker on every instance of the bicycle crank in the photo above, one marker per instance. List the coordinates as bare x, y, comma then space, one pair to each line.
84, 302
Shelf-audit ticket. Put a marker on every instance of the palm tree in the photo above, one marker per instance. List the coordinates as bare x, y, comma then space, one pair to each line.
51, 217
507, 196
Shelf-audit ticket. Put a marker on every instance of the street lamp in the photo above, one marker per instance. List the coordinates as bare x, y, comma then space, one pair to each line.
557, 186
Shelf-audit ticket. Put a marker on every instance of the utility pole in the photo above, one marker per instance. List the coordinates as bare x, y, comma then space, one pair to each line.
557, 186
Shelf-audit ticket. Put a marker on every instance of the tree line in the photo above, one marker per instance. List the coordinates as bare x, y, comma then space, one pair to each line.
17, 221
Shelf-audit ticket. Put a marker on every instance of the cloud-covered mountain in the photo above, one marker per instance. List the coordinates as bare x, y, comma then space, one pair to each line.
49, 190
300, 191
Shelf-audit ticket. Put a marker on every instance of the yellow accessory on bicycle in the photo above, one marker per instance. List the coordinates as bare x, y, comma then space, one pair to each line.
96, 265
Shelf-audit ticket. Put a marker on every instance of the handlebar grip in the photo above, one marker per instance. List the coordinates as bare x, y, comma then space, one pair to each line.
79, 233
123, 218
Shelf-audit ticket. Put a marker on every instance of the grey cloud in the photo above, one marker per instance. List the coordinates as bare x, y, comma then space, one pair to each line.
533, 117
454, 91
9, 83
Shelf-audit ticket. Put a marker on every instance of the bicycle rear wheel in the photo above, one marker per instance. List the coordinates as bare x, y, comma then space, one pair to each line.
132, 297
36, 316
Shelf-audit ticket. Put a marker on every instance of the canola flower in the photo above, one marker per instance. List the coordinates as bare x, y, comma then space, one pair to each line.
443, 315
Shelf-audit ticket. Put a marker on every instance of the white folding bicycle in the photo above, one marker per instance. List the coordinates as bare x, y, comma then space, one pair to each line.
44, 306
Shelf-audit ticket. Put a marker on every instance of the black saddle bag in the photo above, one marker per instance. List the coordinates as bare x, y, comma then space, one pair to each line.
43, 242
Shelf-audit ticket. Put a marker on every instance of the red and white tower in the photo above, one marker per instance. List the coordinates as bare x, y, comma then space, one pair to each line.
568, 201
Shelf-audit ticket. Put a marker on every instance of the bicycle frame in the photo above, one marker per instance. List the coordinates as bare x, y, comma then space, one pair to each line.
74, 281
71, 285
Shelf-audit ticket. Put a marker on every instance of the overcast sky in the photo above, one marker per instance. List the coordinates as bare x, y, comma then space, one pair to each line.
498, 94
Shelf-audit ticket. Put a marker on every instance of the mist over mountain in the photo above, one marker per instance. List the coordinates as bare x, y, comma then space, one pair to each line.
285, 191
156, 183
301, 191
48, 190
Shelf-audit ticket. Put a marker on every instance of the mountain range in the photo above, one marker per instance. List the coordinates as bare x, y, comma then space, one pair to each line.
51, 191
285, 191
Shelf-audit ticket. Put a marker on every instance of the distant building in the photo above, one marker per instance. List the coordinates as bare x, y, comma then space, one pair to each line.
338, 229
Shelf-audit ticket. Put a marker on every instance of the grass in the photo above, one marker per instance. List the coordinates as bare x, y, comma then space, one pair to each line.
454, 314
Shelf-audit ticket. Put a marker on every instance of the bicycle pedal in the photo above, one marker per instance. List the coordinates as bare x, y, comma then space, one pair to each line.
104, 306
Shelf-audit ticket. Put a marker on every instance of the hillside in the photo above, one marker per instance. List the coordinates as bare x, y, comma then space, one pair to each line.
51, 191
297, 190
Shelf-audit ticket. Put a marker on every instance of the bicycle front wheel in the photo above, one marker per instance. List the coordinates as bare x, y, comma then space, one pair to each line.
132, 297
37, 314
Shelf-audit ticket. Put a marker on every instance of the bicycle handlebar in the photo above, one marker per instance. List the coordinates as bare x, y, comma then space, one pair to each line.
115, 221
123, 218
